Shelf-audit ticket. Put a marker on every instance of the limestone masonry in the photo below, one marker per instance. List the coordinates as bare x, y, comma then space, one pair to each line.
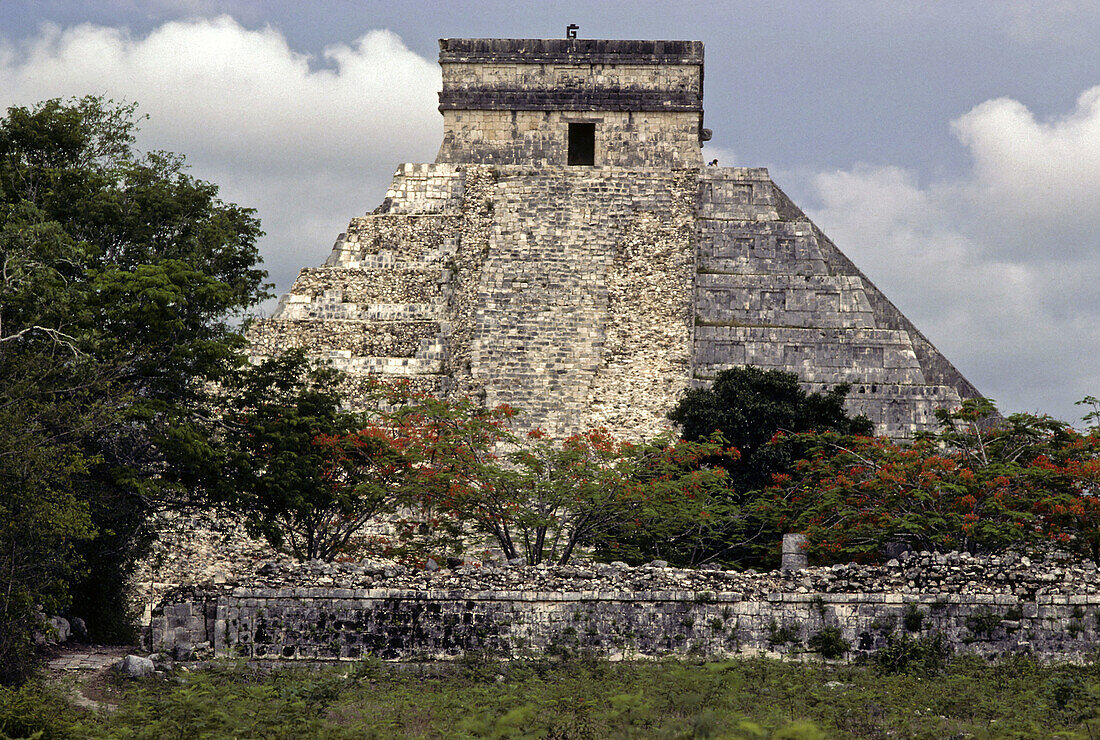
569, 254
987, 606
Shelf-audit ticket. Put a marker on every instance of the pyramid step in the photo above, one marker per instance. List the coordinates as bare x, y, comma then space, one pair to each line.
782, 300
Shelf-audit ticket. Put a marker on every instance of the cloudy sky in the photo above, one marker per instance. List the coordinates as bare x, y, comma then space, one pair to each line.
952, 151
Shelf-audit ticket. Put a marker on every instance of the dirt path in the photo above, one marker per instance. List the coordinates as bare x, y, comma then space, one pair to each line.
83, 668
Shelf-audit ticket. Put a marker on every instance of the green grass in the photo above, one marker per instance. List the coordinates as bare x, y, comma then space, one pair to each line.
750, 698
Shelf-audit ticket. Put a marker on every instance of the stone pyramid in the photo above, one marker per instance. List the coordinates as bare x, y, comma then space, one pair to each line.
568, 253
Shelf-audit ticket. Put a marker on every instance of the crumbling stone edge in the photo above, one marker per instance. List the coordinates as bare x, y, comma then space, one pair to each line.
345, 612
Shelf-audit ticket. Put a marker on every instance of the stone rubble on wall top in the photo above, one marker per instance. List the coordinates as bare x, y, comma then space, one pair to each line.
913, 573
988, 606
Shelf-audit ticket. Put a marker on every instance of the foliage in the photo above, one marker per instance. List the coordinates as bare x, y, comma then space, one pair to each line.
310, 476
119, 277
682, 510
748, 698
41, 524
306, 474
1092, 418
904, 653
979, 485
829, 643
913, 618
449, 466
37, 710
748, 406
546, 497
452, 448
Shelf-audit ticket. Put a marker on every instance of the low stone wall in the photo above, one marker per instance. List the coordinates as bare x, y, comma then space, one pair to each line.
350, 611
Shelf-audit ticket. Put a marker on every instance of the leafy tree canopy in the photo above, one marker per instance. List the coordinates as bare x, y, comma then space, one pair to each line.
307, 474
748, 406
981, 483
120, 276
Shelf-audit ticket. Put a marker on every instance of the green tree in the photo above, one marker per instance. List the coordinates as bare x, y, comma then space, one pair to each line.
681, 508
307, 474
310, 476
547, 497
749, 407
538, 497
120, 279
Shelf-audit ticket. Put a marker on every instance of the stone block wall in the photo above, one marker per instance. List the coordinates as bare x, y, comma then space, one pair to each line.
565, 292
592, 296
623, 138
509, 101
381, 303
584, 314
989, 607
773, 292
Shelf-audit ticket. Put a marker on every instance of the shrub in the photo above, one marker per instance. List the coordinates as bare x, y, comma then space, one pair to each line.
782, 635
920, 655
830, 643
34, 711
982, 483
983, 622
913, 619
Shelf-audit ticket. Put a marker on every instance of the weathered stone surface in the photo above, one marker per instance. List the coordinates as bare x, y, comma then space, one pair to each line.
593, 295
193, 548
136, 666
79, 628
59, 629
346, 611
794, 552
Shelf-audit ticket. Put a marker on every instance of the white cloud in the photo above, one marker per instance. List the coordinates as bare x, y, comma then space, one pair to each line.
999, 268
309, 147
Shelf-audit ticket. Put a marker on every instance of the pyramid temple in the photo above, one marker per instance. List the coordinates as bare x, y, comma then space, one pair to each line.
569, 253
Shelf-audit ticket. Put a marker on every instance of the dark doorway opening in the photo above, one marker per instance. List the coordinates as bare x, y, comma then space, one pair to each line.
582, 143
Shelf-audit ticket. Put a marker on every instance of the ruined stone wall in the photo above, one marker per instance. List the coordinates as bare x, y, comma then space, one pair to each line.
992, 606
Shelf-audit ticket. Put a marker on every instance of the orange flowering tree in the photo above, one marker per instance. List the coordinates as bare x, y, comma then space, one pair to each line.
982, 483
311, 476
540, 498
451, 448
